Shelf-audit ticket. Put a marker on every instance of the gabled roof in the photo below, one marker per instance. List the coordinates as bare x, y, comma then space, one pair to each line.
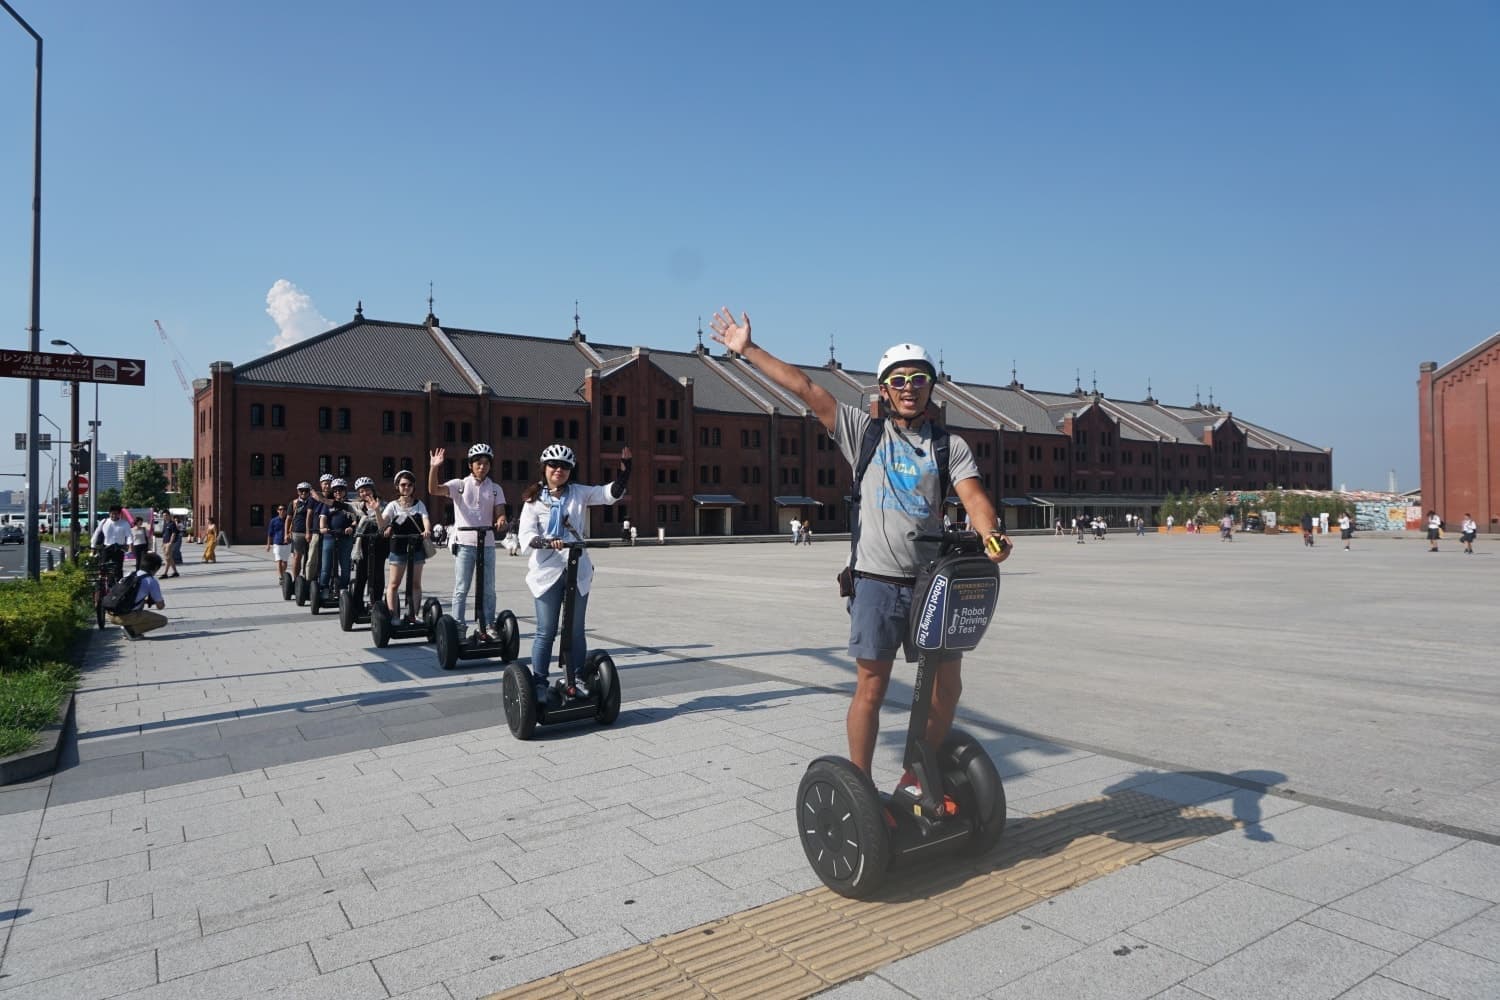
1167, 425
1014, 405
516, 367
711, 390
387, 357
1477, 349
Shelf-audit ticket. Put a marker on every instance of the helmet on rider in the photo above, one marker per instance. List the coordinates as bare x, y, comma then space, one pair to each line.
362, 482
405, 474
559, 453
904, 354
304, 485
481, 451
326, 477
338, 484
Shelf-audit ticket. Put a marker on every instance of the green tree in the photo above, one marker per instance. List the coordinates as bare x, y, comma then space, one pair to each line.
185, 484
109, 498
145, 484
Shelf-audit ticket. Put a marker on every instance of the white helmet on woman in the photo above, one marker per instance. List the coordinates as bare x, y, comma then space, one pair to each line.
404, 474
904, 354
338, 484
362, 482
481, 451
558, 453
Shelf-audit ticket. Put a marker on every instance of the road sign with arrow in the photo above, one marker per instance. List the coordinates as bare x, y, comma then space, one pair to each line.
72, 367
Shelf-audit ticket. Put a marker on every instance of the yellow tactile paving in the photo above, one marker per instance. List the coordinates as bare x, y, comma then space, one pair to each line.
808, 942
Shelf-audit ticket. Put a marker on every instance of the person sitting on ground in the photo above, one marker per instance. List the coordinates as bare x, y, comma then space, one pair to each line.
137, 621
555, 512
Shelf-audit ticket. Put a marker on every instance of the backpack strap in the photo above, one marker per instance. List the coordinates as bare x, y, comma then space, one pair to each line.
867, 446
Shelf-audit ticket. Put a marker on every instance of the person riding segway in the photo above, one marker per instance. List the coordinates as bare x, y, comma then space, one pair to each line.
554, 518
479, 516
370, 551
404, 522
336, 525
897, 528
307, 579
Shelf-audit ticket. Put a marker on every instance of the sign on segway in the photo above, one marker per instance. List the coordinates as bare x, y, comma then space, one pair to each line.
956, 607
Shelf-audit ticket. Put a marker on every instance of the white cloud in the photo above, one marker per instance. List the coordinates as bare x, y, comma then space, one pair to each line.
295, 315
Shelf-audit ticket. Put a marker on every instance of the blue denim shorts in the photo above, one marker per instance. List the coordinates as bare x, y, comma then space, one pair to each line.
878, 616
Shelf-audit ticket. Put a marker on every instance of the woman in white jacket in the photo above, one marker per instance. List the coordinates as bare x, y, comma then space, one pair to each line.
553, 511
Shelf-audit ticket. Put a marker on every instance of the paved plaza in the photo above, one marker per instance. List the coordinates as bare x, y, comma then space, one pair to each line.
259, 804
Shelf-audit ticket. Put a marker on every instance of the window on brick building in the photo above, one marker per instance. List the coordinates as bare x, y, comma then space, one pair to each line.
507, 427
325, 418
257, 414
257, 515
450, 432
406, 464
257, 464
557, 430
405, 421
507, 469
466, 432
388, 468
609, 406
387, 421
325, 464
672, 414
345, 419
344, 466
278, 466
278, 415
523, 427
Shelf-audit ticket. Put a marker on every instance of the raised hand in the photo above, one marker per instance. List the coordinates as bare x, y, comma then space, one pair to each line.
625, 454
734, 336
436, 459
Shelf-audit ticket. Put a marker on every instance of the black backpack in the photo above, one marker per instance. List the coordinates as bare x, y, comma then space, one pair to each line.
121, 596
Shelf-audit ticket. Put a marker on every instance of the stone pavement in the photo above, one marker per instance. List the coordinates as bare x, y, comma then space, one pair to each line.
262, 805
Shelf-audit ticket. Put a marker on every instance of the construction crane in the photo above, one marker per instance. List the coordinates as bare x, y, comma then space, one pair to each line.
181, 378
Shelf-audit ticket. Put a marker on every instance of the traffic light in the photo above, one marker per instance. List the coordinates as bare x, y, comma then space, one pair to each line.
80, 460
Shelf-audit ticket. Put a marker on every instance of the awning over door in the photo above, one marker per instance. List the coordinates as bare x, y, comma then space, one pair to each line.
717, 500
797, 502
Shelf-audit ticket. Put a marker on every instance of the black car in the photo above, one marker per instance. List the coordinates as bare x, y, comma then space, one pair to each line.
1254, 523
12, 533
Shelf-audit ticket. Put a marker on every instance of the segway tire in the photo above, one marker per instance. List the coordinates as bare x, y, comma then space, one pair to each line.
347, 611
288, 584
600, 674
445, 633
520, 701
301, 591
99, 614
380, 626
432, 610
316, 600
841, 821
509, 632
971, 778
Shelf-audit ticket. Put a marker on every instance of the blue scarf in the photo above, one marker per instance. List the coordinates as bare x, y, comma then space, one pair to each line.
555, 516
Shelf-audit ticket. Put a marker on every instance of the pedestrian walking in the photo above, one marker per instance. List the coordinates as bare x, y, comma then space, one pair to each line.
1434, 530
1470, 529
796, 531
1307, 530
1346, 530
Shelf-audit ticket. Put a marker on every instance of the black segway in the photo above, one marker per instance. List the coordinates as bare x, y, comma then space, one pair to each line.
384, 626
600, 697
288, 585
356, 602
853, 834
325, 597
307, 580
505, 634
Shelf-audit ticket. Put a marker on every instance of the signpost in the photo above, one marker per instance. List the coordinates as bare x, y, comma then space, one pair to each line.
80, 484
72, 367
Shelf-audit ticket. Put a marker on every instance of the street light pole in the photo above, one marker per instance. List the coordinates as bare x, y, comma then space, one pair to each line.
33, 393
73, 500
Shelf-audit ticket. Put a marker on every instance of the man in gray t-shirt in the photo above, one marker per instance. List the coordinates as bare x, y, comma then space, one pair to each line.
900, 498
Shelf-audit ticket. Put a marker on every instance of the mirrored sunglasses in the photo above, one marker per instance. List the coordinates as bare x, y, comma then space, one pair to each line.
558, 465
918, 381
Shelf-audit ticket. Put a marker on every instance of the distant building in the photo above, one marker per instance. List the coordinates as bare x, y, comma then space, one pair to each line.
1458, 419
718, 448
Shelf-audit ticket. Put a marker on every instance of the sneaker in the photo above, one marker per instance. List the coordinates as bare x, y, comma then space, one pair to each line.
910, 786
578, 690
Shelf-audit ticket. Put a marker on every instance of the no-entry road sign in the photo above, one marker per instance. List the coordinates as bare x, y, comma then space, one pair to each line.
72, 367
80, 484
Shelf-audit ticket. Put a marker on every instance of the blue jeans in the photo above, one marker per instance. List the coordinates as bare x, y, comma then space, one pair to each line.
336, 547
548, 615
463, 578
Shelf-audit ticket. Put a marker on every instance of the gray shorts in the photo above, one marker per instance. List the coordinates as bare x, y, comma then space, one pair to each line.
299, 544
878, 616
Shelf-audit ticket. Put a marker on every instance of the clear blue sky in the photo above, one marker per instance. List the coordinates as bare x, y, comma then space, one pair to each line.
1294, 204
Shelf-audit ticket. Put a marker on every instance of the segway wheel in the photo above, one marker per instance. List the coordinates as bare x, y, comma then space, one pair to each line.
288, 584
301, 591
509, 632
520, 701
347, 611
840, 818
316, 599
432, 610
380, 626
971, 778
99, 613
448, 642
599, 672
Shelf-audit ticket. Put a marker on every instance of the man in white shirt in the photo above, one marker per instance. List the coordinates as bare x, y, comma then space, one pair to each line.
136, 620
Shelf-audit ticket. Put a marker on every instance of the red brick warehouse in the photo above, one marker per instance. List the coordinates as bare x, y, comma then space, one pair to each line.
719, 449
1458, 416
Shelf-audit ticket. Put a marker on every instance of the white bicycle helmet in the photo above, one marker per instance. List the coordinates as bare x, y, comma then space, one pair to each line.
326, 477
304, 485
559, 453
362, 482
406, 474
338, 484
481, 451
904, 354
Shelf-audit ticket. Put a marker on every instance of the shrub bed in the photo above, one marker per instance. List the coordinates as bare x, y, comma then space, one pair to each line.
39, 621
